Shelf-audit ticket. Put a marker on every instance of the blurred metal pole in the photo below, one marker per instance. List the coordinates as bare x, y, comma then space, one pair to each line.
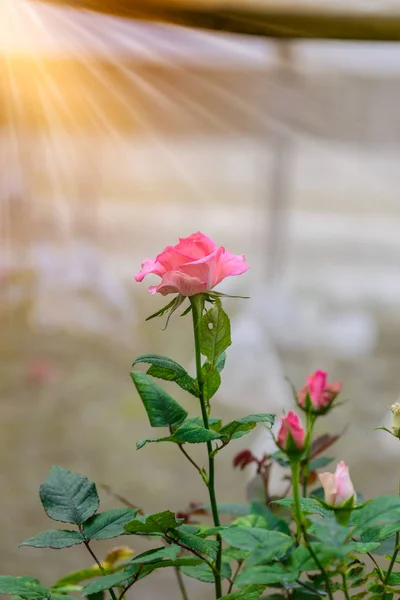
280, 190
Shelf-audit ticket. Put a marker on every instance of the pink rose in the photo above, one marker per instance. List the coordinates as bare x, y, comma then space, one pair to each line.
320, 392
338, 486
290, 431
195, 265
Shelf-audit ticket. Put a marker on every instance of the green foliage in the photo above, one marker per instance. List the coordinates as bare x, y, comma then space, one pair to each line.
203, 572
190, 432
106, 582
68, 497
250, 592
56, 539
309, 506
168, 370
266, 575
108, 524
215, 333
155, 523
236, 429
380, 511
161, 408
27, 588
211, 380
157, 554
196, 543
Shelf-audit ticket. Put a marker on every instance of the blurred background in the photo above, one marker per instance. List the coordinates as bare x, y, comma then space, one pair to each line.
118, 136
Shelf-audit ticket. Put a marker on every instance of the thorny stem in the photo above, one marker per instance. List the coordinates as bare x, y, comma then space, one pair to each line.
295, 466
197, 303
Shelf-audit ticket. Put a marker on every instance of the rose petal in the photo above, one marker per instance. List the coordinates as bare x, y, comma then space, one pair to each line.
197, 245
150, 265
175, 282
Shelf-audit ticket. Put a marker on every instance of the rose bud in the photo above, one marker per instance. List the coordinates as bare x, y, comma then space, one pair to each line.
194, 266
291, 435
317, 395
338, 487
395, 408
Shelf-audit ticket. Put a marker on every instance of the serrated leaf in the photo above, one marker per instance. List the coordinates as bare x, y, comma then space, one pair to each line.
161, 408
109, 524
273, 549
54, 538
239, 427
106, 582
158, 523
272, 521
168, 370
245, 538
380, 511
364, 547
308, 506
190, 432
215, 333
203, 572
211, 381
266, 575
157, 554
250, 592
68, 497
24, 587
194, 542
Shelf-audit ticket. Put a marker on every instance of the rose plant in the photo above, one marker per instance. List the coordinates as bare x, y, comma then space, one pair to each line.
312, 542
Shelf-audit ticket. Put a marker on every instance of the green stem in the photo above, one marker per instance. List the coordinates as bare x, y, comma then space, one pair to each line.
181, 584
98, 563
306, 470
394, 556
345, 588
197, 303
298, 514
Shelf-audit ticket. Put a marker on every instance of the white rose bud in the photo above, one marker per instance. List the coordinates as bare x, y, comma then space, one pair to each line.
395, 408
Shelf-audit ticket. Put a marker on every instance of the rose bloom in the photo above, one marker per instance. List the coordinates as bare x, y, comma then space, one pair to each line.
291, 426
194, 266
338, 486
321, 393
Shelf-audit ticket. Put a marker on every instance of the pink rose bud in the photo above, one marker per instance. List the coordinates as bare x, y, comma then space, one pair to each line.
338, 486
318, 392
194, 266
395, 408
291, 434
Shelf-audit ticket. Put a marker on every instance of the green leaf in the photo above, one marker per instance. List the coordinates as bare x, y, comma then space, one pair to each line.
239, 427
273, 549
271, 520
232, 508
250, 592
308, 506
203, 572
24, 587
246, 538
168, 370
380, 511
54, 538
158, 523
78, 577
157, 554
194, 542
220, 363
163, 310
190, 432
211, 381
215, 333
108, 524
319, 463
364, 547
266, 575
161, 408
68, 497
106, 582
